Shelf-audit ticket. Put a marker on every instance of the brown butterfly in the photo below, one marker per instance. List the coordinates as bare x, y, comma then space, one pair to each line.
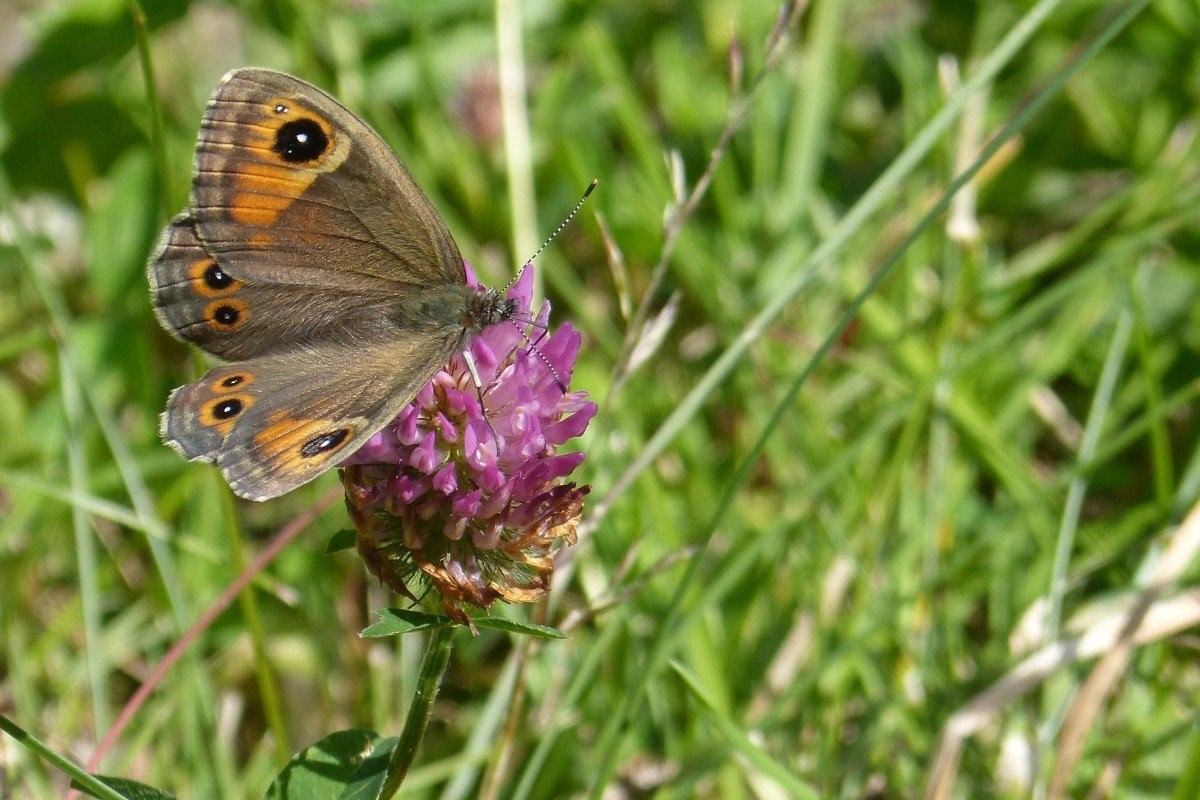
312, 262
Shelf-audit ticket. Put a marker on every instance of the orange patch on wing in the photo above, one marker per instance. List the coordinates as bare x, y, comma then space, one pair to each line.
196, 268
223, 412
261, 239
266, 190
197, 275
271, 177
228, 314
285, 436
265, 185
250, 209
261, 200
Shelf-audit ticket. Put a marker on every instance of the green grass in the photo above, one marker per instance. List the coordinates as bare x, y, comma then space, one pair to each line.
824, 513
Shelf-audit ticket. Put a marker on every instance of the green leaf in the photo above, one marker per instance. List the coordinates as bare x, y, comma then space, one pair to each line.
326, 769
121, 228
342, 540
44, 122
130, 789
513, 626
369, 778
395, 621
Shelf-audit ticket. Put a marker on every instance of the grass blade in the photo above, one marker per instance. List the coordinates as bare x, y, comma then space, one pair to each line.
77, 773
737, 738
608, 746
822, 257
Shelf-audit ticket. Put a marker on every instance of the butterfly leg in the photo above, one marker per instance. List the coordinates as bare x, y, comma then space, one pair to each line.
475, 379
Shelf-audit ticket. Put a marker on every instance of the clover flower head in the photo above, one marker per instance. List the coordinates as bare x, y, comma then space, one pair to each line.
468, 496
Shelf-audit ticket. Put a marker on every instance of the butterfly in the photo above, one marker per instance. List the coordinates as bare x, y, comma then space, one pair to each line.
311, 262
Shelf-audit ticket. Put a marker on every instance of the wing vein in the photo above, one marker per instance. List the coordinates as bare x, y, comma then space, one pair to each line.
350, 205
237, 123
307, 231
262, 193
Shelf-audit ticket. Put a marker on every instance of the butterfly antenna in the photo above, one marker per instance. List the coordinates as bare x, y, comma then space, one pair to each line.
559, 228
562, 386
533, 348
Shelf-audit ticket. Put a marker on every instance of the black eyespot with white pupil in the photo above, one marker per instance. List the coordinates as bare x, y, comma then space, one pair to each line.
326, 441
217, 278
226, 315
227, 409
231, 381
300, 140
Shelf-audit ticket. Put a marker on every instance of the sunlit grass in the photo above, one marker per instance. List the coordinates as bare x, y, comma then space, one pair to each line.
991, 438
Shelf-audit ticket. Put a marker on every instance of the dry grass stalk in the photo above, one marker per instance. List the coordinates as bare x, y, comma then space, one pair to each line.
1145, 617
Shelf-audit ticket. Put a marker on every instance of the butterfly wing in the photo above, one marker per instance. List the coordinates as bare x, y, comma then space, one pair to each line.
197, 297
305, 242
274, 423
304, 227
290, 183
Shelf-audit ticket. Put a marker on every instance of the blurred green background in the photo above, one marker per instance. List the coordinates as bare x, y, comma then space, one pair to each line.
991, 457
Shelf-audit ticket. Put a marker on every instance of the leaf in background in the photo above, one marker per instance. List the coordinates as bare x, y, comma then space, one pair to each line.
56, 101
324, 770
394, 621
371, 775
513, 626
120, 226
342, 540
131, 789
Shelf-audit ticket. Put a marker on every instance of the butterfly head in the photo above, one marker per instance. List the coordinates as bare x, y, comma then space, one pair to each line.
488, 308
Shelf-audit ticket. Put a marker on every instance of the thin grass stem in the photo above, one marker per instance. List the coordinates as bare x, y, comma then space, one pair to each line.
85, 555
268, 686
811, 121
518, 150
1101, 401
609, 742
39, 748
158, 142
823, 256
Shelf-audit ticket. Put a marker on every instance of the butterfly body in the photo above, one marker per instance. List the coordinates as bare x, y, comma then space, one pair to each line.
312, 262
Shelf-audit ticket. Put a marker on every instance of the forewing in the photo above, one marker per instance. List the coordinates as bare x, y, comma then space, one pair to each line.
293, 185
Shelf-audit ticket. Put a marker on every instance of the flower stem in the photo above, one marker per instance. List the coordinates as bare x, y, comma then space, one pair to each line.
433, 667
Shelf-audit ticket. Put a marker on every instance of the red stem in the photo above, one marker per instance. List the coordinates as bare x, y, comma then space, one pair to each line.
286, 534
